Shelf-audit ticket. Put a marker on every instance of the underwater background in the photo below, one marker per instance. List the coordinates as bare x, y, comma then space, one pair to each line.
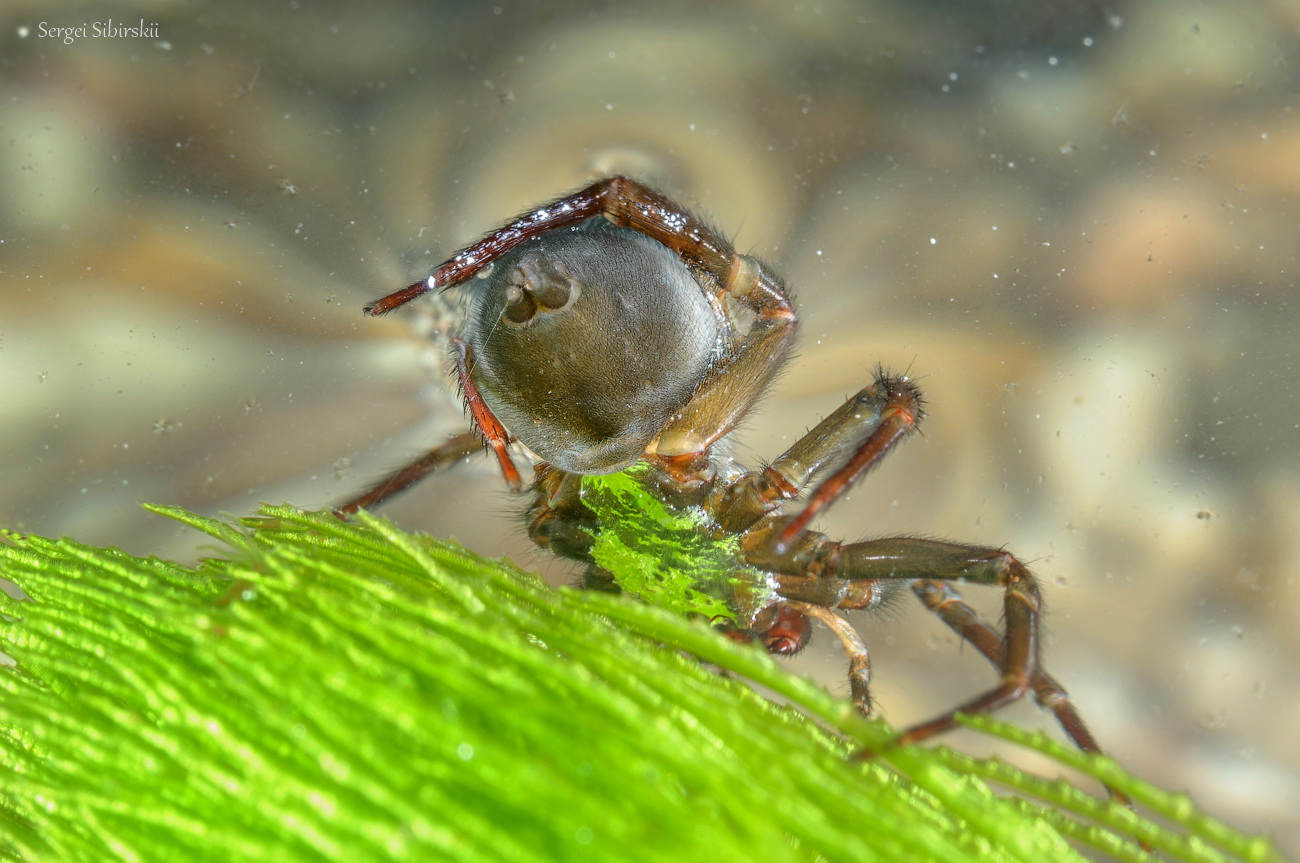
1073, 223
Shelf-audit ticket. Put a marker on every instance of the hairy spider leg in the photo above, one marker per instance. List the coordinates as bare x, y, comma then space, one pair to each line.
865, 429
444, 454
816, 571
734, 386
471, 260
855, 650
891, 407
622, 200
867, 422
949, 606
904, 560
952, 609
494, 434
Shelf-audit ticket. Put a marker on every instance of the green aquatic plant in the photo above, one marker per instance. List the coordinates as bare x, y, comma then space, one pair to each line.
322, 690
660, 554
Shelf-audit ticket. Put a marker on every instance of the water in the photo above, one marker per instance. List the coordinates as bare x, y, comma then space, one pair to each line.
1074, 226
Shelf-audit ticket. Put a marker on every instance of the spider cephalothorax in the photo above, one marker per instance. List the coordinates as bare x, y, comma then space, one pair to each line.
612, 329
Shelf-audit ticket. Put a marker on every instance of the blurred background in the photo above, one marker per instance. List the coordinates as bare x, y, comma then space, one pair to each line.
1074, 223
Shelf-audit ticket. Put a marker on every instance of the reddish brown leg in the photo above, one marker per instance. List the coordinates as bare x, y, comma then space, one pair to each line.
625, 202
447, 453
855, 650
1050, 695
494, 434
864, 429
1021, 605
897, 406
729, 393
945, 602
904, 559
471, 260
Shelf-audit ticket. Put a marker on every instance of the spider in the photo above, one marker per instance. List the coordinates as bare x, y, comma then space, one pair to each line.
612, 328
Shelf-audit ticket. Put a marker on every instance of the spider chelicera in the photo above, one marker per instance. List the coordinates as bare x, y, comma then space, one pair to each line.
613, 328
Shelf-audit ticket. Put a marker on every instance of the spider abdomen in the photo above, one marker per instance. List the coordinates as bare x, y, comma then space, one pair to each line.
587, 340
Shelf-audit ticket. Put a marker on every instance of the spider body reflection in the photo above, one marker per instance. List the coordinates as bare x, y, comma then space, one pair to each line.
611, 329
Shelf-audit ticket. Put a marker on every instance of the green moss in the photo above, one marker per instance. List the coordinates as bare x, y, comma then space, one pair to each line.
319, 691
659, 554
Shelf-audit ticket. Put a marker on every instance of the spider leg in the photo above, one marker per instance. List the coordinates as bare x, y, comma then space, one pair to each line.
949, 606
730, 391
894, 410
864, 430
624, 202
494, 434
824, 564
447, 453
1021, 606
474, 258
855, 650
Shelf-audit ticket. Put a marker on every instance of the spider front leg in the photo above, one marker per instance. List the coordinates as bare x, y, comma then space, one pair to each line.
863, 431
624, 202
